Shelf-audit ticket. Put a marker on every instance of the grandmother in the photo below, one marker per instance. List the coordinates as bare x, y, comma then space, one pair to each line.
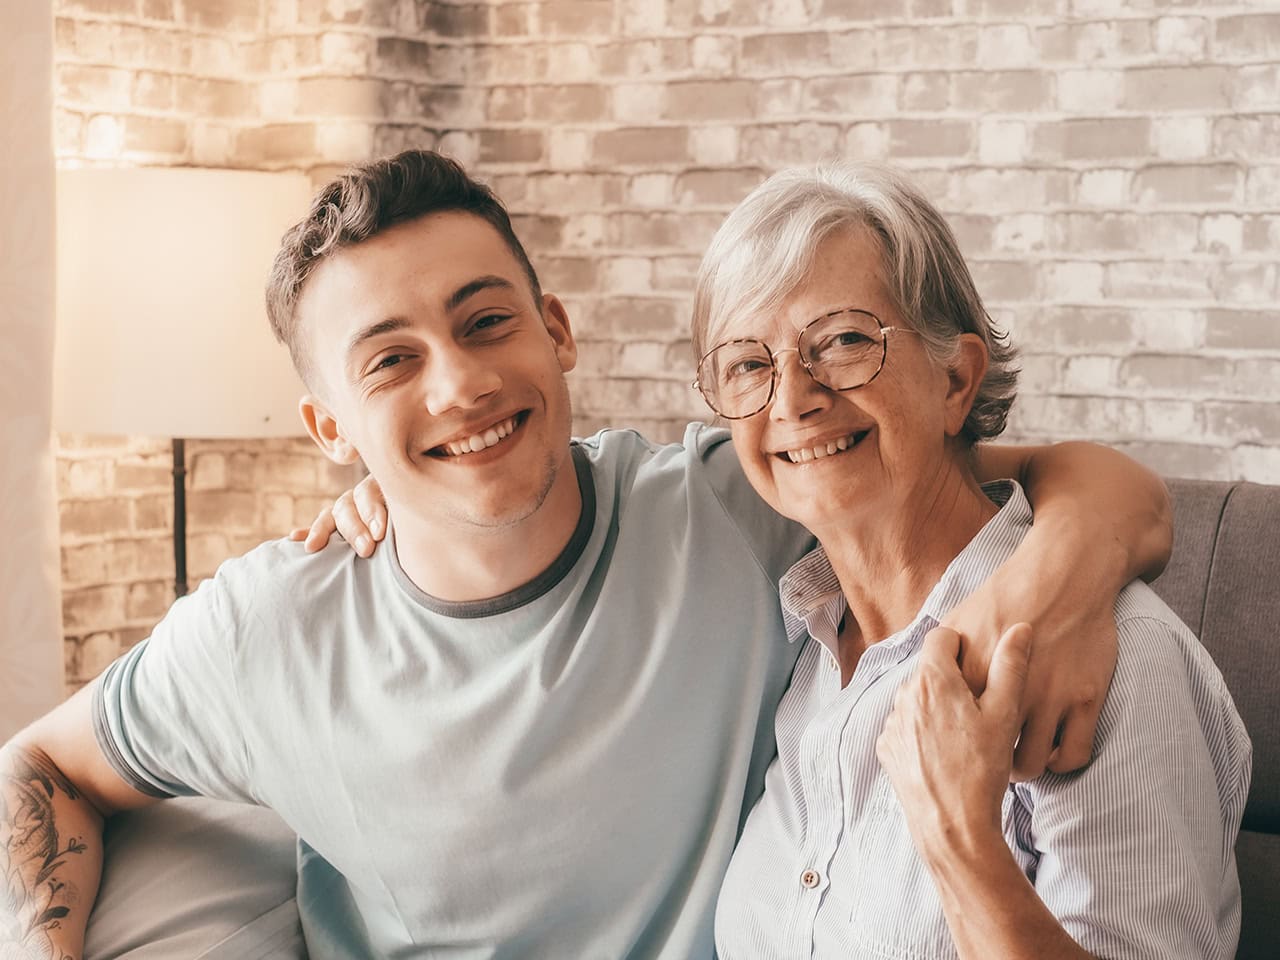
841, 335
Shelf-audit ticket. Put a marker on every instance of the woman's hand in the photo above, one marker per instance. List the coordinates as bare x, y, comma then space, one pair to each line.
949, 753
1072, 608
359, 516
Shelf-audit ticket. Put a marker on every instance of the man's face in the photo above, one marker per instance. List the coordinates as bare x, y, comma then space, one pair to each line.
439, 369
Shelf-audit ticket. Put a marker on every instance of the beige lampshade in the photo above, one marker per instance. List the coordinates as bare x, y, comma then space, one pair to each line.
161, 327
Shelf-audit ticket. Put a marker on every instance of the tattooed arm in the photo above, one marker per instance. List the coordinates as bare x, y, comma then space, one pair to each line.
55, 791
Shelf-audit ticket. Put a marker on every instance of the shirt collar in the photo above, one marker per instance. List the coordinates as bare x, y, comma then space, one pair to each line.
813, 605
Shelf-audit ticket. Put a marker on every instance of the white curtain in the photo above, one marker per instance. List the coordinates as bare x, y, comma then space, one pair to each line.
30, 617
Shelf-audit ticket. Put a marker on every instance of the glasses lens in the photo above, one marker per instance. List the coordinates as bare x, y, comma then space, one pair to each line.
735, 378
844, 350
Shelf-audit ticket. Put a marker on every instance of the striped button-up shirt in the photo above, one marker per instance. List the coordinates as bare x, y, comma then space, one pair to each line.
1134, 855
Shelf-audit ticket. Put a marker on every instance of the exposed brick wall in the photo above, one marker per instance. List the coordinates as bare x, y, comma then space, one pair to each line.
1112, 169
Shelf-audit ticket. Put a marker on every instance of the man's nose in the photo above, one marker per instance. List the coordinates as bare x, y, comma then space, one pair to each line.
795, 393
458, 379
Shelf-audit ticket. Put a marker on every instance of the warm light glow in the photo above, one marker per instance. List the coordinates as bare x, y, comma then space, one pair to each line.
161, 327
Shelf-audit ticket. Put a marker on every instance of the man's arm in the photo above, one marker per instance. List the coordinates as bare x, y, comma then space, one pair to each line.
56, 790
1101, 520
1088, 490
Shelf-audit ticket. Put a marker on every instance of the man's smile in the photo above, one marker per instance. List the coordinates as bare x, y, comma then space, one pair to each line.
473, 443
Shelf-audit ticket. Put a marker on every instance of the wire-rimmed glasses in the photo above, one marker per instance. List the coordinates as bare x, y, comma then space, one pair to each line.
841, 350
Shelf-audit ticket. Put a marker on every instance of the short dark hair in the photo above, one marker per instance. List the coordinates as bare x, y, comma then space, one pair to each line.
362, 202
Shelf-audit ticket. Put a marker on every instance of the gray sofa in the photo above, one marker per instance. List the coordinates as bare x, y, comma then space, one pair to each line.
195, 879
1224, 582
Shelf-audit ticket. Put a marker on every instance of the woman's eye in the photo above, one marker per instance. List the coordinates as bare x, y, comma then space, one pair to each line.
744, 367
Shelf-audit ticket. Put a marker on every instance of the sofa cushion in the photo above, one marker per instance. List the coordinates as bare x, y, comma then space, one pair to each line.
199, 879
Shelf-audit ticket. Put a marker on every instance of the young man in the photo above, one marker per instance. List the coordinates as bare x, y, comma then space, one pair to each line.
532, 727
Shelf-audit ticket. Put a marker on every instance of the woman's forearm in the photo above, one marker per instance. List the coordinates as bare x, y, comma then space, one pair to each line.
1121, 507
991, 908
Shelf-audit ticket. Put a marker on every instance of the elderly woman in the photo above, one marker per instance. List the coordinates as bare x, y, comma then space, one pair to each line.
841, 336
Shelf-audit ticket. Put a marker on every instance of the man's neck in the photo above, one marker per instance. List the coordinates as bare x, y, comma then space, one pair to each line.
459, 562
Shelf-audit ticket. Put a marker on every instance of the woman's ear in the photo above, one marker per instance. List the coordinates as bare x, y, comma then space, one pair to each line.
964, 378
325, 430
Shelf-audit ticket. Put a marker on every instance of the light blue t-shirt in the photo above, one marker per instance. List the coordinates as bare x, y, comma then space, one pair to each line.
561, 772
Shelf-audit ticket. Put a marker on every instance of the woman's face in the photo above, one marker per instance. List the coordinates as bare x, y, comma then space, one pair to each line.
898, 427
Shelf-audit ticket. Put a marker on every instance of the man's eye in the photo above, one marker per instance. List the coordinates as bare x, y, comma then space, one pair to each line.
389, 361
490, 321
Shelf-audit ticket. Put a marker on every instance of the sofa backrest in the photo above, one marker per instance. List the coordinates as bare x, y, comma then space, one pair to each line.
1224, 582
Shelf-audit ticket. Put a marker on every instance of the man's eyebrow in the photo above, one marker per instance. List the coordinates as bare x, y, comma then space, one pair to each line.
471, 288
375, 330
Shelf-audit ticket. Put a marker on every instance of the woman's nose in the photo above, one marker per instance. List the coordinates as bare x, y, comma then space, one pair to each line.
795, 393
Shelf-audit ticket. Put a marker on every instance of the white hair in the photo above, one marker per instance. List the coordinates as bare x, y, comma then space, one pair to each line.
766, 248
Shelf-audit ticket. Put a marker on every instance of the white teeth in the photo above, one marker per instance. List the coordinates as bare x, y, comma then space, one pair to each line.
806, 454
481, 441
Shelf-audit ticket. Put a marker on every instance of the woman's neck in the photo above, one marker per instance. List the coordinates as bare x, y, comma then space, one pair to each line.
889, 560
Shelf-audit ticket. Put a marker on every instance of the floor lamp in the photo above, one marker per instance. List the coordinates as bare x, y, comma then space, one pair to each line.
161, 328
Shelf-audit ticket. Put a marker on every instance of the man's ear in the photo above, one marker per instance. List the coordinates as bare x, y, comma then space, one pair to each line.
964, 377
326, 431
556, 318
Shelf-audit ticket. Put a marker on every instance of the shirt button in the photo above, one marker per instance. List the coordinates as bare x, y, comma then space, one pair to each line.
810, 878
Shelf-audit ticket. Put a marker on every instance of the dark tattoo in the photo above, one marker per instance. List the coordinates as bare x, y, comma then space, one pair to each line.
33, 898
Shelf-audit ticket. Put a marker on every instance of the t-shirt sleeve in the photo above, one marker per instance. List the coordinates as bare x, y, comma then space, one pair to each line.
775, 541
1136, 852
167, 714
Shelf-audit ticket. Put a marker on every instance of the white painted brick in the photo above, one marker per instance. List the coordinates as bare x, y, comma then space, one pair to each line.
1006, 45
1256, 463
462, 145
1171, 419
569, 149
867, 141
212, 144
1181, 138
278, 99
344, 142
103, 137
1182, 37
1020, 232
1089, 374
97, 651
1073, 282
714, 145
628, 275
1103, 188
1002, 141
643, 17
1222, 233
651, 189
1168, 330
345, 52
780, 97
789, 13
638, 102
711, 55
1089, 91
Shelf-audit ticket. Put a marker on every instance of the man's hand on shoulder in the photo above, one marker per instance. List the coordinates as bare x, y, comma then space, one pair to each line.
359, 516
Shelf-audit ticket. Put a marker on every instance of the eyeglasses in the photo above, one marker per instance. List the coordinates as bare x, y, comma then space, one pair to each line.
841, 350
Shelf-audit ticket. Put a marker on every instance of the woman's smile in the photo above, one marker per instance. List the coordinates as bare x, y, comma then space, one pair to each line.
822, 449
